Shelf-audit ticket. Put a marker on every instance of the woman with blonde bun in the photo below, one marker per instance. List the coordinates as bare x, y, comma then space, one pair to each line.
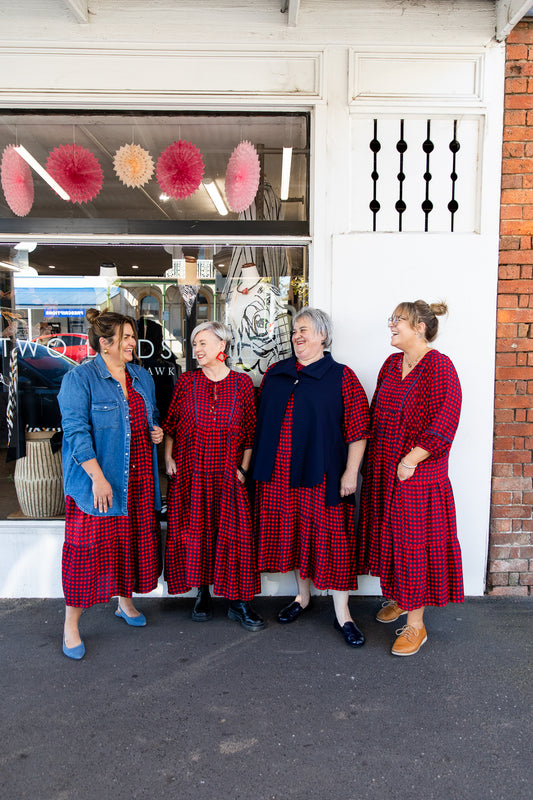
407, 527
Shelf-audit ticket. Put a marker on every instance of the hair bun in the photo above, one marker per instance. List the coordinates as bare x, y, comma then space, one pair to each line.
439, 309
91, 314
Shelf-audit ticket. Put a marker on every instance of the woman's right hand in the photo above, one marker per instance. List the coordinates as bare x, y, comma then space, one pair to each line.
102, 494
171, 467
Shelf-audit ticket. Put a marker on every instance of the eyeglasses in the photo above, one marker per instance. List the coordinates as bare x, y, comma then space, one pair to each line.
393, 320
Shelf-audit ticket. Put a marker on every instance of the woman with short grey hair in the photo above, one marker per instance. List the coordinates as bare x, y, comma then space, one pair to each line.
310, 438
209, 432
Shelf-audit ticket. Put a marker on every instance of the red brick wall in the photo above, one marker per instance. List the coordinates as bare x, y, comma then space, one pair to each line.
511, 542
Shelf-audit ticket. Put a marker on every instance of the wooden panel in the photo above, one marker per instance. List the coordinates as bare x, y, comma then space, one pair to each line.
145, 71
424, 77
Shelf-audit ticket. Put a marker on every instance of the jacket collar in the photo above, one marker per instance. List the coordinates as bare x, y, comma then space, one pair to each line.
316, 370
103, 370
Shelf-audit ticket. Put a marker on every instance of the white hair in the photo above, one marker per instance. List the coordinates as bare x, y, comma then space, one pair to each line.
321, 323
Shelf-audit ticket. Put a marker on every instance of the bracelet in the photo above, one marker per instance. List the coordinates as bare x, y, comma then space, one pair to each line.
244, 472
407, 465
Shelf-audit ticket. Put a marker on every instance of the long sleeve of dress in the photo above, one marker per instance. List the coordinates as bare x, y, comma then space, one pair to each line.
444, 407
170, 423
249, 412
356, 421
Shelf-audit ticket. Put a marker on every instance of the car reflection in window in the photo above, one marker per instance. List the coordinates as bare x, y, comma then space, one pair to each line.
39, 380
72, 345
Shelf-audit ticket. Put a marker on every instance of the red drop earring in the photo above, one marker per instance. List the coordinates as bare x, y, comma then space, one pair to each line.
221, 357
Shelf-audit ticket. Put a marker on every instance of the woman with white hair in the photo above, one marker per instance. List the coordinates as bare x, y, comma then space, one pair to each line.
310, 438
209, 432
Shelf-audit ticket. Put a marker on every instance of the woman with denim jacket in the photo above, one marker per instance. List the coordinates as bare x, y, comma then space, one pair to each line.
110, 424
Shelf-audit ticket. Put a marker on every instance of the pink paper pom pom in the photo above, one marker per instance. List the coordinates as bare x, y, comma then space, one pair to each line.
77, 170
242, 176
179, 169
17, 182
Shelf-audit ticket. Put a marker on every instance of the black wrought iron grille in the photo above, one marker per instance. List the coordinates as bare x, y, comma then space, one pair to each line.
430, 153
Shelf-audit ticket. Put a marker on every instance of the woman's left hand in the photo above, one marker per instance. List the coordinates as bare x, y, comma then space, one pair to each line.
156, 435
403, 473
348, 484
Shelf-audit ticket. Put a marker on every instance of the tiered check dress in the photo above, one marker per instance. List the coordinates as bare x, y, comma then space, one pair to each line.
296, 529
407, 530
210, 536
108, 556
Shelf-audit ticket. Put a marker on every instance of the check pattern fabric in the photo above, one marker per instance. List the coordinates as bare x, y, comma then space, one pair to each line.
296, 530
210, 538
105, 557
407, 530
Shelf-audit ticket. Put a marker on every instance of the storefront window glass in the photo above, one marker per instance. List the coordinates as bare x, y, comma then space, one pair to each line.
157, 171
255, 290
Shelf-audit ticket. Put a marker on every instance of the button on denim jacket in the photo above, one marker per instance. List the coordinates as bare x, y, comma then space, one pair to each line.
95, 419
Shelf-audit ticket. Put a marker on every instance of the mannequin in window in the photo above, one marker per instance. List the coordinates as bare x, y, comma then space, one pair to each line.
259, 322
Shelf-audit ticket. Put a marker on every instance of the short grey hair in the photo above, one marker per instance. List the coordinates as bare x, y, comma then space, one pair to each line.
218, 328
321, 323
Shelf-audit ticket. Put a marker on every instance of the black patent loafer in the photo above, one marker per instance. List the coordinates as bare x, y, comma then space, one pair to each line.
291, 612
352, 635
203, 607
242, 612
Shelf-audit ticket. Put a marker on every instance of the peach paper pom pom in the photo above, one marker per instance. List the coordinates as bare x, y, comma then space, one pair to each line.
133, 165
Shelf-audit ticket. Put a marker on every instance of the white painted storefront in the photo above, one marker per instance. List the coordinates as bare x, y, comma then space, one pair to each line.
353, 66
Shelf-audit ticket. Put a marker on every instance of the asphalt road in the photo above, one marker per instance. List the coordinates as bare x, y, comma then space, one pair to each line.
212, 712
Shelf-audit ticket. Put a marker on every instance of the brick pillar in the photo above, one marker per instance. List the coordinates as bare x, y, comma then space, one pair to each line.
510, 570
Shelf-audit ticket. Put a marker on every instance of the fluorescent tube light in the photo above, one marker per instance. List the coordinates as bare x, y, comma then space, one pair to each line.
29, 159
214, 193
285, 173
15, 268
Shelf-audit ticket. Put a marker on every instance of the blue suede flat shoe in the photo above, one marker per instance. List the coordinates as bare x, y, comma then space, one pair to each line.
74, 652
137, 622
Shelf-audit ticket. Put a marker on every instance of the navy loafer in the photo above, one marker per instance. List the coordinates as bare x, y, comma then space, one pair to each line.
291, 612
352, 635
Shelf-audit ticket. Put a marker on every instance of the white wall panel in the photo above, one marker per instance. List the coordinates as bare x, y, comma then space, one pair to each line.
385, 269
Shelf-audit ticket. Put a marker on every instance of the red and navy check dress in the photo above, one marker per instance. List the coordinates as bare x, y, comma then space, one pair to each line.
210, 536
296, 530
105, 557
407, 530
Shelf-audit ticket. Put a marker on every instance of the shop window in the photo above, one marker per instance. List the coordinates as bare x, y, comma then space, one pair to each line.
163, 173
255, 290
60, 256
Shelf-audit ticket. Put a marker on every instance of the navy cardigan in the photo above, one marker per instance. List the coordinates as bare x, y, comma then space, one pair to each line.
317, 444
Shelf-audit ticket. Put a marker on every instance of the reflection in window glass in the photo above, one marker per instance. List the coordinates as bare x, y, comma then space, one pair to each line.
255, 290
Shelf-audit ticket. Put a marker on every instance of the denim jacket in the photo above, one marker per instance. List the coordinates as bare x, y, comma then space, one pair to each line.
95, 419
